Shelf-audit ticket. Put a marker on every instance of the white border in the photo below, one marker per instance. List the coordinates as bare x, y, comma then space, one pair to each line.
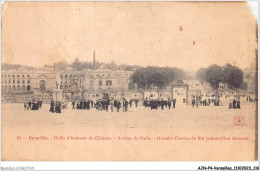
255, 6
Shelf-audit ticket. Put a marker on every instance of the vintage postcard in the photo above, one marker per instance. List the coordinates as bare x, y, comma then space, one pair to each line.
129, 81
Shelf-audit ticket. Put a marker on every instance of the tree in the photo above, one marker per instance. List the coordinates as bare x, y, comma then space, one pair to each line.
236, 77
233, 76
215, 75
156, 76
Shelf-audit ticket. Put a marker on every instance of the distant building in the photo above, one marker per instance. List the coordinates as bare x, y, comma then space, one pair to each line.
87, 83
16, 81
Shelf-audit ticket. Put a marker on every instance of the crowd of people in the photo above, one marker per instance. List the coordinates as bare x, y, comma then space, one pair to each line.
55, 106
234, 104
33, 105
159, 103
105, 104
83, 104
112, 104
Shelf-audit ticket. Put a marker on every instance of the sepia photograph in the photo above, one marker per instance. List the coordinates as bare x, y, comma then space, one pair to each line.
129, 81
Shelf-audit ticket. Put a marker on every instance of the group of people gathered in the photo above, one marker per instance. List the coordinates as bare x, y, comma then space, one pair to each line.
55, 106
204, 102
159, 103
33, 105
105, 104
83, 104
234, 104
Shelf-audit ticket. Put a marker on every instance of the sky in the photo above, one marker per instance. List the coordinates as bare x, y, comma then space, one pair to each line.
187, 35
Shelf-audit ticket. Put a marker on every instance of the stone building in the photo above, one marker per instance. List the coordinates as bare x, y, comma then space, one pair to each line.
90, 84
16, 81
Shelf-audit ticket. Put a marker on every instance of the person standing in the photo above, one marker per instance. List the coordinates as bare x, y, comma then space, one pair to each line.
238, 104
169, 103
173, 103
234, 103
30, 104
131, 101
118, 105
193, 101
162, 104
126, 105
52, 106
73, 104
136, 101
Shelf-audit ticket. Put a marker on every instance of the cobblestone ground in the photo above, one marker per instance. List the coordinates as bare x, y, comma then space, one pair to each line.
180, 125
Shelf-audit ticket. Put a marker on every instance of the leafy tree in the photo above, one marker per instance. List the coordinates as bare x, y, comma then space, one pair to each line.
215, 75
236, 77
156, 76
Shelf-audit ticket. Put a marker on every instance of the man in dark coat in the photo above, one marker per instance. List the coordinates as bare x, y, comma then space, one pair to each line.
238, 104
193, 102
169, 104
73, 105
52, 106
173, 103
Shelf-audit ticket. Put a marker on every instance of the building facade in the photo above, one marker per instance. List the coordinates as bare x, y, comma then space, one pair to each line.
16, 81
90, 84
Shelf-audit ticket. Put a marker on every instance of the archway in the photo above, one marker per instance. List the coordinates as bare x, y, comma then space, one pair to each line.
42, 85
28, 88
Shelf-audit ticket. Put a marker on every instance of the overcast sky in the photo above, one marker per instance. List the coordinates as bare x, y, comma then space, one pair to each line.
188, 35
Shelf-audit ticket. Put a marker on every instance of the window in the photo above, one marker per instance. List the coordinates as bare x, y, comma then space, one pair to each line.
23, 81
28, 82
22, 75
8, 75
100, 83
5, 81
18, 81
108, 82
9, 81
13, 81
28, 75
13, 75
18, 76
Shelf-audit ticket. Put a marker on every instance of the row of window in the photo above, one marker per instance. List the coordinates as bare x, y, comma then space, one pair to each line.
18, 88
66, 76
65, 87
100, 82
4, 75
18, 82
71, 81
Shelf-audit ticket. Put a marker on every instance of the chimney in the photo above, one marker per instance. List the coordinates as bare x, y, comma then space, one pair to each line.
94, 60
